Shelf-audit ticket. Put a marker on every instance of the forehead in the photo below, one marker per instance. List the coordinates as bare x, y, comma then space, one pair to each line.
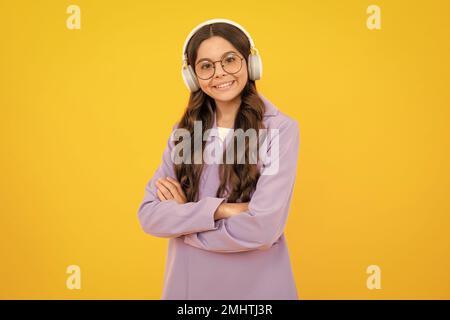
213, 48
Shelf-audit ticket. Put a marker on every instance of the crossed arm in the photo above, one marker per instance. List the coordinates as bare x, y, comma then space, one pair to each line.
169, 188
214, 225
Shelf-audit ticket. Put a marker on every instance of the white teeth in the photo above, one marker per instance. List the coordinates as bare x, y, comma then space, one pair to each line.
225, 85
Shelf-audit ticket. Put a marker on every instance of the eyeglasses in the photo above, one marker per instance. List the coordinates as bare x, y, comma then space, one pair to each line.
231, 63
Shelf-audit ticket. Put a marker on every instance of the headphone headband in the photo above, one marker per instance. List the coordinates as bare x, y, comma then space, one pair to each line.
184, 57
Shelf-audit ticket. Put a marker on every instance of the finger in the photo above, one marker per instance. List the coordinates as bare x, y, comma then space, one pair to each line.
167, 194
160, 195
170, 186
177, 185
178, 196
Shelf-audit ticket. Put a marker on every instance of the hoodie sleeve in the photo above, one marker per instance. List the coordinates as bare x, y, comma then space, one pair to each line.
169, 219
262, 224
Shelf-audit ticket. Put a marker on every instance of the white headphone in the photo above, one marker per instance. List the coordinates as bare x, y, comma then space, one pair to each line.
254, 60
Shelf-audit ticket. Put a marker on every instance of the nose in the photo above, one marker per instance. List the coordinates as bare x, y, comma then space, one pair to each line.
219, 71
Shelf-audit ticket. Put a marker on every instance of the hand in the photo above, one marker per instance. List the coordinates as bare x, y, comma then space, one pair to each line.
226, 210
170, 189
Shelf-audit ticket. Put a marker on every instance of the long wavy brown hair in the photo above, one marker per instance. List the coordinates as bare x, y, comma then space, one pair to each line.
237, 181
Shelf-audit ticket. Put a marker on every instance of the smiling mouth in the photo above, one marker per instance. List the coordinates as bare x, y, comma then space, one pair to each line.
225, 85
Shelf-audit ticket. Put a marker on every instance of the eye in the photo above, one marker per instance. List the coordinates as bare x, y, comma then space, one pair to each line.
230, 59
205, 65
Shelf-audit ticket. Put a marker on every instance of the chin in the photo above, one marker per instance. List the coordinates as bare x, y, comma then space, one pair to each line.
228, 96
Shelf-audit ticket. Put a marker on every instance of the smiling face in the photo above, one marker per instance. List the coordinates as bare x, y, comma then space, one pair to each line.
215, 49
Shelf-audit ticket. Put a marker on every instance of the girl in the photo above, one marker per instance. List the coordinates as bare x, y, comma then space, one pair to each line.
225, 221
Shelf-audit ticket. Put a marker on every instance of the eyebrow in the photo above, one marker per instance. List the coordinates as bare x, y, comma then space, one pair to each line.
203, 59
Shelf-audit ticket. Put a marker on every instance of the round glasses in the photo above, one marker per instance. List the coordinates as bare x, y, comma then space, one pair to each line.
231, 63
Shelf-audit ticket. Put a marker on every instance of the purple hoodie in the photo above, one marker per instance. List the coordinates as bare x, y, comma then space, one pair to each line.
241, 257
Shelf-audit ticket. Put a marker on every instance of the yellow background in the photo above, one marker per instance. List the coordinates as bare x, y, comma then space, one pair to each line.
85, 116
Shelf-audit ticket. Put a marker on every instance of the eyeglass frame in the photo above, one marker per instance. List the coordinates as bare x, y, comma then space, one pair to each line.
214, 64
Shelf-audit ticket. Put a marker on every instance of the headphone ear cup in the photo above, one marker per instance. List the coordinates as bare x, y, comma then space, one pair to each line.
254, 67
190, 79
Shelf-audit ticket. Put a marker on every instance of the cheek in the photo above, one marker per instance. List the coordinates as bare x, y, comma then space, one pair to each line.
242, 78
242, 75
204, 85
